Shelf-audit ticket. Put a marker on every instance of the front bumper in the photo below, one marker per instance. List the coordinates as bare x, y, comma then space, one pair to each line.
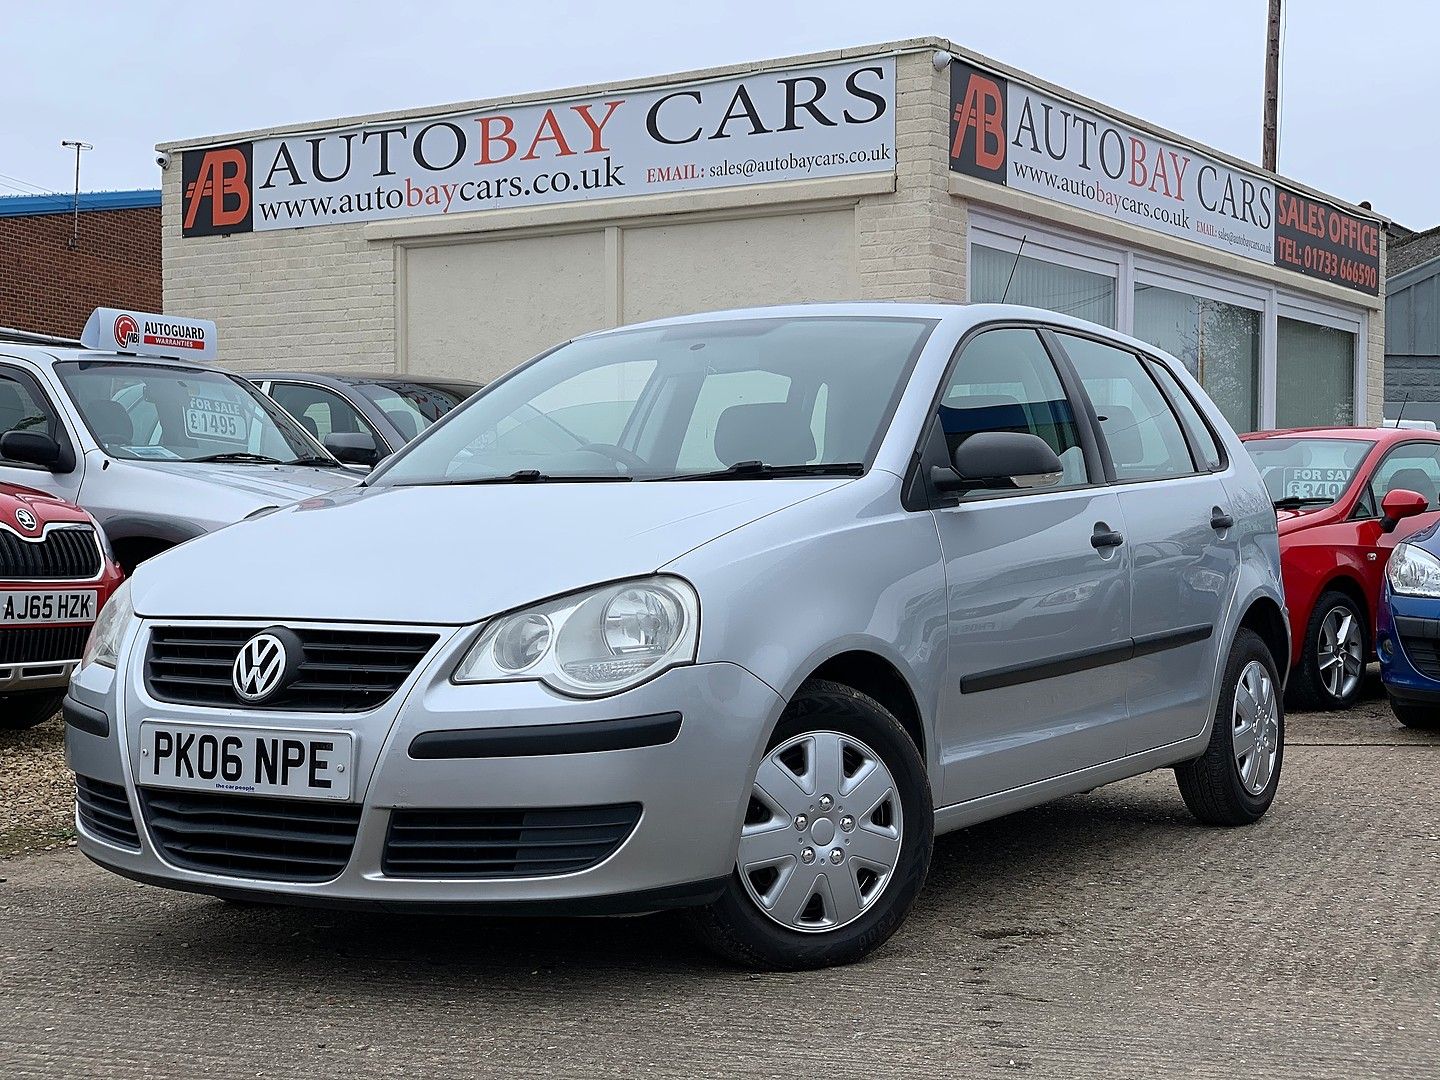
1407, 637
693, 790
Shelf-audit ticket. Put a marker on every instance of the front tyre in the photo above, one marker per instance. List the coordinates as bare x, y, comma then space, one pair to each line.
1331, 673
836, 840
19, 711
1234, 781
1420, 717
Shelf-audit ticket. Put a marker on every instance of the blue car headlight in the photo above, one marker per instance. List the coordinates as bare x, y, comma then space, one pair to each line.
1412, 571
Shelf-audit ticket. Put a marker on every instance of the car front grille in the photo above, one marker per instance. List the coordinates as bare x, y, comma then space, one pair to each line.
41, 644
342, 670
63, 553
105, 812
251, 837
504, 843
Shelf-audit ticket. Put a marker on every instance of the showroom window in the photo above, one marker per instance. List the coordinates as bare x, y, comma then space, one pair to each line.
1218, 342
1314, 375
1041, 284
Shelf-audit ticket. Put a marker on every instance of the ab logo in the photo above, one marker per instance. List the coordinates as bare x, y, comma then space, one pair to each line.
216, 191
977, 122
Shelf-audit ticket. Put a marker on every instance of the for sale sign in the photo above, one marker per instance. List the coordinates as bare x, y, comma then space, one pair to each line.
1007, 133
827, 120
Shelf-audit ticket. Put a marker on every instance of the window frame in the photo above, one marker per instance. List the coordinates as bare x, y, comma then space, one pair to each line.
269, 389
35, 387
1380, 464
1140, 358
919, 494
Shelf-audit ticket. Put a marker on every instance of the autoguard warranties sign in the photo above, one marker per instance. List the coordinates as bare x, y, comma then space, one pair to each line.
832, 120
1010, 134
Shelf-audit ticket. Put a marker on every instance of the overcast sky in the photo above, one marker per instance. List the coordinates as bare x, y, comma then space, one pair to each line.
1357, 116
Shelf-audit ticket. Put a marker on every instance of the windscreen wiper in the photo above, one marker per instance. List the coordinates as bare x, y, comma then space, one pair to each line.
238, 458
1295, 502
321, 462
522, 476
759, 470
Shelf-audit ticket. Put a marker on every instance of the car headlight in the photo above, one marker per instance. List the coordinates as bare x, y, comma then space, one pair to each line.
598, 641
1413, 572
104, 641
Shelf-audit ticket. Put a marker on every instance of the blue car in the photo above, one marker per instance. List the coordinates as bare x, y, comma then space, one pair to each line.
1407, 630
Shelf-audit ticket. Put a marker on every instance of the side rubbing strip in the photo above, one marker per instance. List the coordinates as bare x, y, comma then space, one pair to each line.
539, 740
1071, 663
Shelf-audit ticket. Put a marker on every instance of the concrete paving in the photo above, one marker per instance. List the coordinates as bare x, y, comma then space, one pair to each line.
1105, 935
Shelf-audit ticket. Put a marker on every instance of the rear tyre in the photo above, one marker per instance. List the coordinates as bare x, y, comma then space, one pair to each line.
20, 711
1420, 717
1331, 672
836, 841
1234, 781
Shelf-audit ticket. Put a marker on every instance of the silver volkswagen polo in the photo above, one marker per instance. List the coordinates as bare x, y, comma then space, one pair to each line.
732, 612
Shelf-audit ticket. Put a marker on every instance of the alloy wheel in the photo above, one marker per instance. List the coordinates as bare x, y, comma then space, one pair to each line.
1340, 653
822, 832
1255, 727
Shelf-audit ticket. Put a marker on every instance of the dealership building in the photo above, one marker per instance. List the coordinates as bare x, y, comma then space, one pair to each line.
460, 240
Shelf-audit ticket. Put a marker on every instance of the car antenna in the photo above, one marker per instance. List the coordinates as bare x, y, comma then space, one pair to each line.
1403, 402
1013, 266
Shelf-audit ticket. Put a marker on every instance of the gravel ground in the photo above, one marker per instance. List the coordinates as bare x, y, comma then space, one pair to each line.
1104, 935
37, 796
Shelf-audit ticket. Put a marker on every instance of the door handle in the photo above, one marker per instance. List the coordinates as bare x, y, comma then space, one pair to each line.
1105, 537
1220, 520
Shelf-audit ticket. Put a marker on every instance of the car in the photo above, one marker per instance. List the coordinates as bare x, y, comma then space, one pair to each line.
788, 592
363, 418
56, 572
157, 445
1344, 497
1408, 630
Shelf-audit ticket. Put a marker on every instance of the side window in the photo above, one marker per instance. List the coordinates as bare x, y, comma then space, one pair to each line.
320, 412
23, 409
1005, 381
718, 393
1414, 467
1195, 424
1141, 430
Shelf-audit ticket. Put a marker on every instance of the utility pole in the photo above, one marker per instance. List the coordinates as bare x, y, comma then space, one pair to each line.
78, 147
1269, 136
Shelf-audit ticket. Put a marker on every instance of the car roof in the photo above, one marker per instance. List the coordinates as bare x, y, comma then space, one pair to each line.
48, 355
1369, 434
353, 378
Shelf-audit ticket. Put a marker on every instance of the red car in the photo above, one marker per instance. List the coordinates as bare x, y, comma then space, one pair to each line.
56, 572
1344, 497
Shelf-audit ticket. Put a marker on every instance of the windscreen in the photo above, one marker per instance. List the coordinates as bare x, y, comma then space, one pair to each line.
152, 412
1307, 472
679, 401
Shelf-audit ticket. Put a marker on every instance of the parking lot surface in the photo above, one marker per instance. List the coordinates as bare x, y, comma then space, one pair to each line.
1104, 935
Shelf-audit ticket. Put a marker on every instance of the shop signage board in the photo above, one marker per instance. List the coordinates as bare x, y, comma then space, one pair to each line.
1006, 132
764, 127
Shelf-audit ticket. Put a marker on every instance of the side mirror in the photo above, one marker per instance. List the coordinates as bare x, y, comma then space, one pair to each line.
1399, 504
353, 447
1000, 459
33, 448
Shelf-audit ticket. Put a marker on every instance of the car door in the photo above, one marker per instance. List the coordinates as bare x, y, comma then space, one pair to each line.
1184, 554
1039, 596
25, 406
1413, 466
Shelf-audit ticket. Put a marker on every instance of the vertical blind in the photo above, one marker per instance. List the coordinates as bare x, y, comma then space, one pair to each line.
1040, 284
1218, 342
1314, 375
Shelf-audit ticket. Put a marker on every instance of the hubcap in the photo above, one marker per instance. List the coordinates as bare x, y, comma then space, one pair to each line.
1255, 730
828, 874
1340, 653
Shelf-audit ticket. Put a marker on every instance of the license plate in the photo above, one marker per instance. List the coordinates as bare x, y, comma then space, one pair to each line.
213, 757
47, 606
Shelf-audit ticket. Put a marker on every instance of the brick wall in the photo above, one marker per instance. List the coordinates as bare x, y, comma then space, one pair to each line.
47, 288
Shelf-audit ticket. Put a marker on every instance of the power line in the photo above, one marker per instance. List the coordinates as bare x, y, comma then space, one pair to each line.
36, 189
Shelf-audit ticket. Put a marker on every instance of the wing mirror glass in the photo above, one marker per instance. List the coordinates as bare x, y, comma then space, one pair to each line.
1399, 504
1000, 459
